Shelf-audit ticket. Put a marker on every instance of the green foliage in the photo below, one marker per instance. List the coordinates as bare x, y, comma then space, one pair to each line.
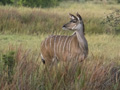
27, 72
118, 1
4, 2
32, 3
48, 3
112, 20
40, 21
92, 74
9, 63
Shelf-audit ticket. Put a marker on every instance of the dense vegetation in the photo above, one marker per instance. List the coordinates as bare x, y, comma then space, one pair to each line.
49, 3
31, 3
22, 30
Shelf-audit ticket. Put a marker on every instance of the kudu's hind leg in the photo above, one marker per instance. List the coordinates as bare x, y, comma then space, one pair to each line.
43, 60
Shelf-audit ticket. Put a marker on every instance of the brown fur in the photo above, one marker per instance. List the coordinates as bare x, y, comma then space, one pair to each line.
70, 51
65, 48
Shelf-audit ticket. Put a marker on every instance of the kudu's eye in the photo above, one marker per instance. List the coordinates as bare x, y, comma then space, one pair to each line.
73, 21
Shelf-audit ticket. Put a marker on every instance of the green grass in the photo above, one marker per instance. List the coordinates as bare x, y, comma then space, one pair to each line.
22, 30
36, 20
101, 45
28, 41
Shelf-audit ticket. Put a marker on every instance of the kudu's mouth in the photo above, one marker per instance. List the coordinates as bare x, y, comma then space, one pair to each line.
64, 27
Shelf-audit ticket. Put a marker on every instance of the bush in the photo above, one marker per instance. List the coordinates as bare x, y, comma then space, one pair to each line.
118, 1
112, 20
48, 3
32, 3
4, 2
9, 63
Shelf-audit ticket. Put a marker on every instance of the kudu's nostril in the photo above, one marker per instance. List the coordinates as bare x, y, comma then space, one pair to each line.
63, 26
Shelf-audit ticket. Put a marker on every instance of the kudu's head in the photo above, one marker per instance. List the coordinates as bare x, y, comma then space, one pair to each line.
75, 23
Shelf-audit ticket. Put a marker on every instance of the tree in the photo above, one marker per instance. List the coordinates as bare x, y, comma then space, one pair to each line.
32, 3
4, 2
118, 1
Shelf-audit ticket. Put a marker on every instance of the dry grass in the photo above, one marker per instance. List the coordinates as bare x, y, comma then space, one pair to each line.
100, 71
31, 74
29, 26
36, 20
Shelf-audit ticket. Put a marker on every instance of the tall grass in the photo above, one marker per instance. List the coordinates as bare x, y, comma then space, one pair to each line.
22, 30
31, 74
36, 20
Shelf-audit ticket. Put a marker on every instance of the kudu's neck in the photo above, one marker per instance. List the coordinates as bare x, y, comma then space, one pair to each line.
81, 39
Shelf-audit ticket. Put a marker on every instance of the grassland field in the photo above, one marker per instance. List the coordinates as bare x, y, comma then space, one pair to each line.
22, 29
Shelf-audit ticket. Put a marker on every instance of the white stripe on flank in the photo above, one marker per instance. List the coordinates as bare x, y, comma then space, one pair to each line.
58, 43
50, 41
70, 43
61, 43
65, 43
54, 46
46, 43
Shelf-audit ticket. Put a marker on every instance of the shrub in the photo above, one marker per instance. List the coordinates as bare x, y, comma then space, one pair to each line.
9, 63
112, 22
31, 3
118, 1
48, 3
4, 2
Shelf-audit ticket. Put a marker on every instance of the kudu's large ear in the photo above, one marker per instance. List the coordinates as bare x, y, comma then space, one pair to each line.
79, 17
72, 16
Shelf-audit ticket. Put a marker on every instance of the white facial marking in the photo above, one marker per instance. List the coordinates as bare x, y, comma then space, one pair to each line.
78, 18
64, 28
78, 27
74, 27
72, 17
